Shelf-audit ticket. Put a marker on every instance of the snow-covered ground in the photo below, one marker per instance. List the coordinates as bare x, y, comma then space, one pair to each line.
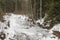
20, 29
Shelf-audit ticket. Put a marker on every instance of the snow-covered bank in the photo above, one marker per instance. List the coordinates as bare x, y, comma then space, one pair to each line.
19, 29
56, 27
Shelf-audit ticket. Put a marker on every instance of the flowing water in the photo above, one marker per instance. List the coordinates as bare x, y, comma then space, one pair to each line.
17, 27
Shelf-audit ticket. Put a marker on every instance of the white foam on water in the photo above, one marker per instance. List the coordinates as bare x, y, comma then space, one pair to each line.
18, 27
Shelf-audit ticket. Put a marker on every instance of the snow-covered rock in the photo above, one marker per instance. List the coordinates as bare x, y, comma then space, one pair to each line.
41, 21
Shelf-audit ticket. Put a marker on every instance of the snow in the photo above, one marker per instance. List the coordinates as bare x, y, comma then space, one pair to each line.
56, 27
20, 29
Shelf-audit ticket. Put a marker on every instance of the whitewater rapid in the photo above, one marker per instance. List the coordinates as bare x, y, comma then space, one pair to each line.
19, 29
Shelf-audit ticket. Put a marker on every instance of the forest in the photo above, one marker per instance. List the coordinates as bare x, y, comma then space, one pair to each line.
32, 7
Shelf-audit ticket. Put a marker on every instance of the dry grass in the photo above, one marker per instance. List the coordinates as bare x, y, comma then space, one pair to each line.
56, 33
